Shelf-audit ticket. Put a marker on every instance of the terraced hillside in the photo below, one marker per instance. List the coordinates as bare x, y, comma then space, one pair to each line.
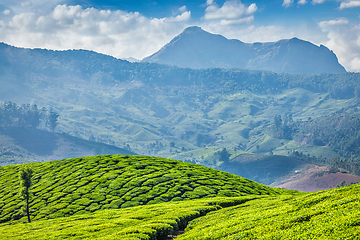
89, 184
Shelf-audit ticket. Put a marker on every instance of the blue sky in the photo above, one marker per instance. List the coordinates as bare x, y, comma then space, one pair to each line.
139, 28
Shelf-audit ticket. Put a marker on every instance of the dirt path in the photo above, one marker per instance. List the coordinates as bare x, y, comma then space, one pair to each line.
175, 235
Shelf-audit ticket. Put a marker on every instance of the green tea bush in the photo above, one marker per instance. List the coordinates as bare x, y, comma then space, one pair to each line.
155, 221
331, 214
88, 184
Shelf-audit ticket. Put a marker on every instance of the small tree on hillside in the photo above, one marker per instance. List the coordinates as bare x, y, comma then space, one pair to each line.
25, 176
224, 155
53, 120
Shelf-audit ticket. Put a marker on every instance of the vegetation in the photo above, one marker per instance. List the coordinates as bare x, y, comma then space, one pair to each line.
184, 114
161, 110
330, 214
83, 185
154, 221
27, 116
261, 213
338, 131
25, 176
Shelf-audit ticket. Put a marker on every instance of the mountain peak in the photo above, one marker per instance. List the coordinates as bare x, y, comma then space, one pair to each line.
196, 48
193, 29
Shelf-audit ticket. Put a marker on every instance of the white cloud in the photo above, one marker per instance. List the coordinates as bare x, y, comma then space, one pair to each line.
233, 9
349, 4
246, 20
302, 2
185, 16
344, 40
26, 4
182, 9
117, 33
287, 3
318, 1
250, 33
251, 9
339, 21
6, 12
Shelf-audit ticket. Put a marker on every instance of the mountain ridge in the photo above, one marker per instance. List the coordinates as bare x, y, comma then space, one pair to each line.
24, 145
196, 48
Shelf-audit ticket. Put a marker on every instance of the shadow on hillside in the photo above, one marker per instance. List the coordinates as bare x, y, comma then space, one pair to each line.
36, 141
264, 169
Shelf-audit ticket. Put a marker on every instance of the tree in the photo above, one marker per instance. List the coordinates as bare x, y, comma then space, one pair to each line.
224, 155
53, 120
25, 176
277, 122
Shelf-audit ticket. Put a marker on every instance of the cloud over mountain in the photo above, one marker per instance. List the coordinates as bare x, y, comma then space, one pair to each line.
343, 38
126, 29
231, 12
117, 33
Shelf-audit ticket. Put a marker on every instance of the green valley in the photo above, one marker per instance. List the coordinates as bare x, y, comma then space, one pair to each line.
181, 113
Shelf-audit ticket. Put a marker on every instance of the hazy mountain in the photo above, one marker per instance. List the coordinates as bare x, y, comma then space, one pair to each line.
163, 110
22, 145
196, 48
131, 59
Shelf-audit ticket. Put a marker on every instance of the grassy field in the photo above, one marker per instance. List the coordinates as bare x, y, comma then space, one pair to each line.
89, 184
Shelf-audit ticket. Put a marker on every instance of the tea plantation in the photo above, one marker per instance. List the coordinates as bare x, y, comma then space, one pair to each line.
330, 214
153, 221
83, 185
148, 198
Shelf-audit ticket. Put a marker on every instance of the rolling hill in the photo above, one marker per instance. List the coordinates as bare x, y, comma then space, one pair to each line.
139, 197
168, 111
23, 145
196, 48
75, 186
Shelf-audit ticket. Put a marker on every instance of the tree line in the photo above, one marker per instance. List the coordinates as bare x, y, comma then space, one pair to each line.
352, 166
27, 116
338, 131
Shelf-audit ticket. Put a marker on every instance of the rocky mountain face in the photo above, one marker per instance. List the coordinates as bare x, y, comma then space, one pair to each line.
196, 48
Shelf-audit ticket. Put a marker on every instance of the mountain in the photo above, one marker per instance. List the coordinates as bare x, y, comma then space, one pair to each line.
167, 111
196, 48
22, 145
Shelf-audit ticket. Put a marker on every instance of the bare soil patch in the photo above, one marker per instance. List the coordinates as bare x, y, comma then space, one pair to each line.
316, 179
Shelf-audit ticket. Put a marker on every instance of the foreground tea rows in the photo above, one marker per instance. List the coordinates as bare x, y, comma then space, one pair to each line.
332, 214
82, 185
138, 197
